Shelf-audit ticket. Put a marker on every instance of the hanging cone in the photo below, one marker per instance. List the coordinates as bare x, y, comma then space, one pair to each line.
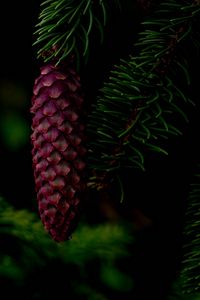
58, 149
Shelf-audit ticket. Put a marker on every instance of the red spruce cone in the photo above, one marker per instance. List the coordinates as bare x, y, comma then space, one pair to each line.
58, 148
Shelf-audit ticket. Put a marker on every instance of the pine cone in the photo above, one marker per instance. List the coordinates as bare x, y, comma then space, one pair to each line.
58, 149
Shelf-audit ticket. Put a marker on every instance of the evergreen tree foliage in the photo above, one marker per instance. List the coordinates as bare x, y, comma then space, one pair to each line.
66, 26
144, 101
190, 272
139, 104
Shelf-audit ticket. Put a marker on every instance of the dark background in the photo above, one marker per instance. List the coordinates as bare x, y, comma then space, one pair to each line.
159, 194
18, 67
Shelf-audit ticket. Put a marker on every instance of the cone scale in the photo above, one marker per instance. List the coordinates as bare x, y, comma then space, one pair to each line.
58, 150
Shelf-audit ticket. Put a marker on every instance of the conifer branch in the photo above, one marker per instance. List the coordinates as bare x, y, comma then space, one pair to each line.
135, 108
190, 269
64, 27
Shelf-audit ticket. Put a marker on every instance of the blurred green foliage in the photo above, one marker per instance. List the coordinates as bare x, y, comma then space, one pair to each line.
14, 126
32, 266
14, 130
